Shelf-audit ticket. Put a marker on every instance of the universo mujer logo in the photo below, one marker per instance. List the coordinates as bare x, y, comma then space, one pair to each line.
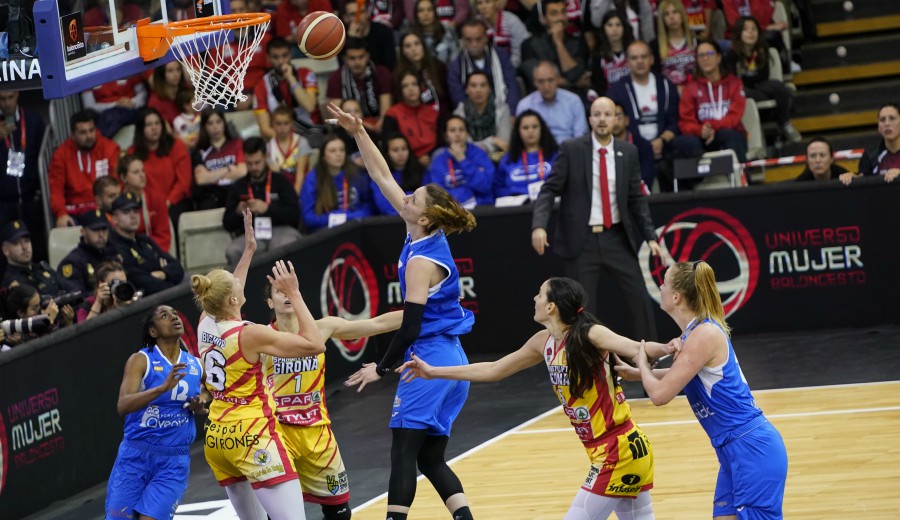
349, 290
715, 237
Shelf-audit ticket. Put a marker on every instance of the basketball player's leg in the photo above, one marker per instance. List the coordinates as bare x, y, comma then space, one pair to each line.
166, 487
590, 506
280, 500
317, 459
759, 470
433, 464
638, 508
244, 501
402, 484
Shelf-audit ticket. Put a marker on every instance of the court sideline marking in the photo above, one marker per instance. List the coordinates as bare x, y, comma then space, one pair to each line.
517, 429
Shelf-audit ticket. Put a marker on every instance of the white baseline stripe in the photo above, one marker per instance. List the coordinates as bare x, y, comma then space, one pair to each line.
772, 416
474, 450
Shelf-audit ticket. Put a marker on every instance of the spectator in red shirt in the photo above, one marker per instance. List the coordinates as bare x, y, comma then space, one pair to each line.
361, 79
711, 108
153, 212
415, 57
218, 160
416, 121
166, 81
166, 162
290, 12
75, 165
284, 85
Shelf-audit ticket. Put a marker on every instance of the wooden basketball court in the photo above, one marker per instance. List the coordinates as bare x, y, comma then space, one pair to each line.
842, 442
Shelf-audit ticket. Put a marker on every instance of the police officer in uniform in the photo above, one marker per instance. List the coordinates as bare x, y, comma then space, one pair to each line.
80, 264
17, 250
148, 267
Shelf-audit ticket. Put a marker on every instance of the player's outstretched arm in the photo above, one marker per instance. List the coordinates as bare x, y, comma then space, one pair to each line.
528, 355
377, 167
243, 265
334, 327
605, 339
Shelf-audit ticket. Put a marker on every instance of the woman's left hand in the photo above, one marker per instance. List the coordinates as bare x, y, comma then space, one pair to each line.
285, 278
626, 371
363, 376
349, 123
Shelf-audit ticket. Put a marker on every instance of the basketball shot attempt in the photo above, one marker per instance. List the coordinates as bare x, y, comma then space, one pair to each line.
321, 35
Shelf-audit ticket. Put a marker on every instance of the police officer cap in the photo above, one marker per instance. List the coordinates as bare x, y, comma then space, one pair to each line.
124, 202
13, 231
94, 220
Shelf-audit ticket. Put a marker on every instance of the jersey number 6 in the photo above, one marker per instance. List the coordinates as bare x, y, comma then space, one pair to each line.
214, 363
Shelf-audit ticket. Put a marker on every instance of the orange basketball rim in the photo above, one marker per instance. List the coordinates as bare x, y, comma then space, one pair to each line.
154, 40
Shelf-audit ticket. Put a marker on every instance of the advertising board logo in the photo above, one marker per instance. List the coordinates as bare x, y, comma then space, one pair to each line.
4, 455
715, 237
73, 30
348, 291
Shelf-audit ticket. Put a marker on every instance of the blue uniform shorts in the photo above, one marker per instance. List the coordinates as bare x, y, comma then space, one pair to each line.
752, 474
147, 479
434, 404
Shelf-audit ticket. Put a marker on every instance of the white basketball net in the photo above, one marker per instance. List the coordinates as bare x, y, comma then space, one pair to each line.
218, 73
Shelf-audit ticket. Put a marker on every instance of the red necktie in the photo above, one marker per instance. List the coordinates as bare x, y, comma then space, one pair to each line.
604, 190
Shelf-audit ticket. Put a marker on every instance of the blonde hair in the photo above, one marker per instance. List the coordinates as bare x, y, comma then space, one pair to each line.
662, 33
212, 291
443, 212
697, 282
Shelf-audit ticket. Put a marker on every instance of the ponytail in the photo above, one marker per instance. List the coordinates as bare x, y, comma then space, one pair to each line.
444, 212
584, 359
211, 292
697, 282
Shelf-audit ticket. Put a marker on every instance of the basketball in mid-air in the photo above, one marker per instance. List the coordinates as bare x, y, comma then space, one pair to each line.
321, 35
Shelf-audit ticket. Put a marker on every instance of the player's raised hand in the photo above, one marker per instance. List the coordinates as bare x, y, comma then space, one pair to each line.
175, 375
414, 368
285, 279
363, 376
349, 123
249, 232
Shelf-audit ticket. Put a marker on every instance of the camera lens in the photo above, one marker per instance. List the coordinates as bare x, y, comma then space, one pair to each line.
122, 290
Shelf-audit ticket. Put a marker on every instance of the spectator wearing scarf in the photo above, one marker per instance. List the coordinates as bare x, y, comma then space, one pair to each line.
478, 54
487, 121
361, 79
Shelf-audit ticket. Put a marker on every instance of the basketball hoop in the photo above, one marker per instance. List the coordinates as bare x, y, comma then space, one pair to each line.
217, 73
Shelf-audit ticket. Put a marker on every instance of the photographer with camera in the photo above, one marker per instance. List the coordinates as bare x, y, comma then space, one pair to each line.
23, 318
81, 264
16, 247
112, 290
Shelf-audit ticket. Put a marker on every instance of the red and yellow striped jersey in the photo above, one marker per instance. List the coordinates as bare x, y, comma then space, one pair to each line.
298, 386
237, 386
602, 408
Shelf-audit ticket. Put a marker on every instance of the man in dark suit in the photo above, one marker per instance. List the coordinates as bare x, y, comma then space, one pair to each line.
603, 216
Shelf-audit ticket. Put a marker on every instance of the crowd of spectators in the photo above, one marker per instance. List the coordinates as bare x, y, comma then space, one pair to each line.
476, 98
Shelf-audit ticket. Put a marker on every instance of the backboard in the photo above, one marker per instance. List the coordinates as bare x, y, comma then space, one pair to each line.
85, 43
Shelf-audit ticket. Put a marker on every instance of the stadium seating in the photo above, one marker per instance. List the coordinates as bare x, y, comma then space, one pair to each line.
61, 241
203, 239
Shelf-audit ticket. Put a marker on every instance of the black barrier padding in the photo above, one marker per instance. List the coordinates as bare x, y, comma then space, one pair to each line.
77, 371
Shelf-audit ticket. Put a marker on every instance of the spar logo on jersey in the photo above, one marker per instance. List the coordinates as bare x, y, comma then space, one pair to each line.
718, 239
348, 291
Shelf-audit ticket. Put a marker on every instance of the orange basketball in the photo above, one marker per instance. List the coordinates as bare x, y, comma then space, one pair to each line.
321, 35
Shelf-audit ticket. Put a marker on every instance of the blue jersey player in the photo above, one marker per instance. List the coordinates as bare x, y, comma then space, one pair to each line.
433, 319
159, 394
752, 457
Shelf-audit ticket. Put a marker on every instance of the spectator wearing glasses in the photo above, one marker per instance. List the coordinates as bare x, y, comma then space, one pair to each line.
711, 107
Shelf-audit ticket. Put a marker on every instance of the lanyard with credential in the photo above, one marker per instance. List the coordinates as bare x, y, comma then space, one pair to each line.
268, 188
540, 163
452, 172
285, 156
21, 136
346, 189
